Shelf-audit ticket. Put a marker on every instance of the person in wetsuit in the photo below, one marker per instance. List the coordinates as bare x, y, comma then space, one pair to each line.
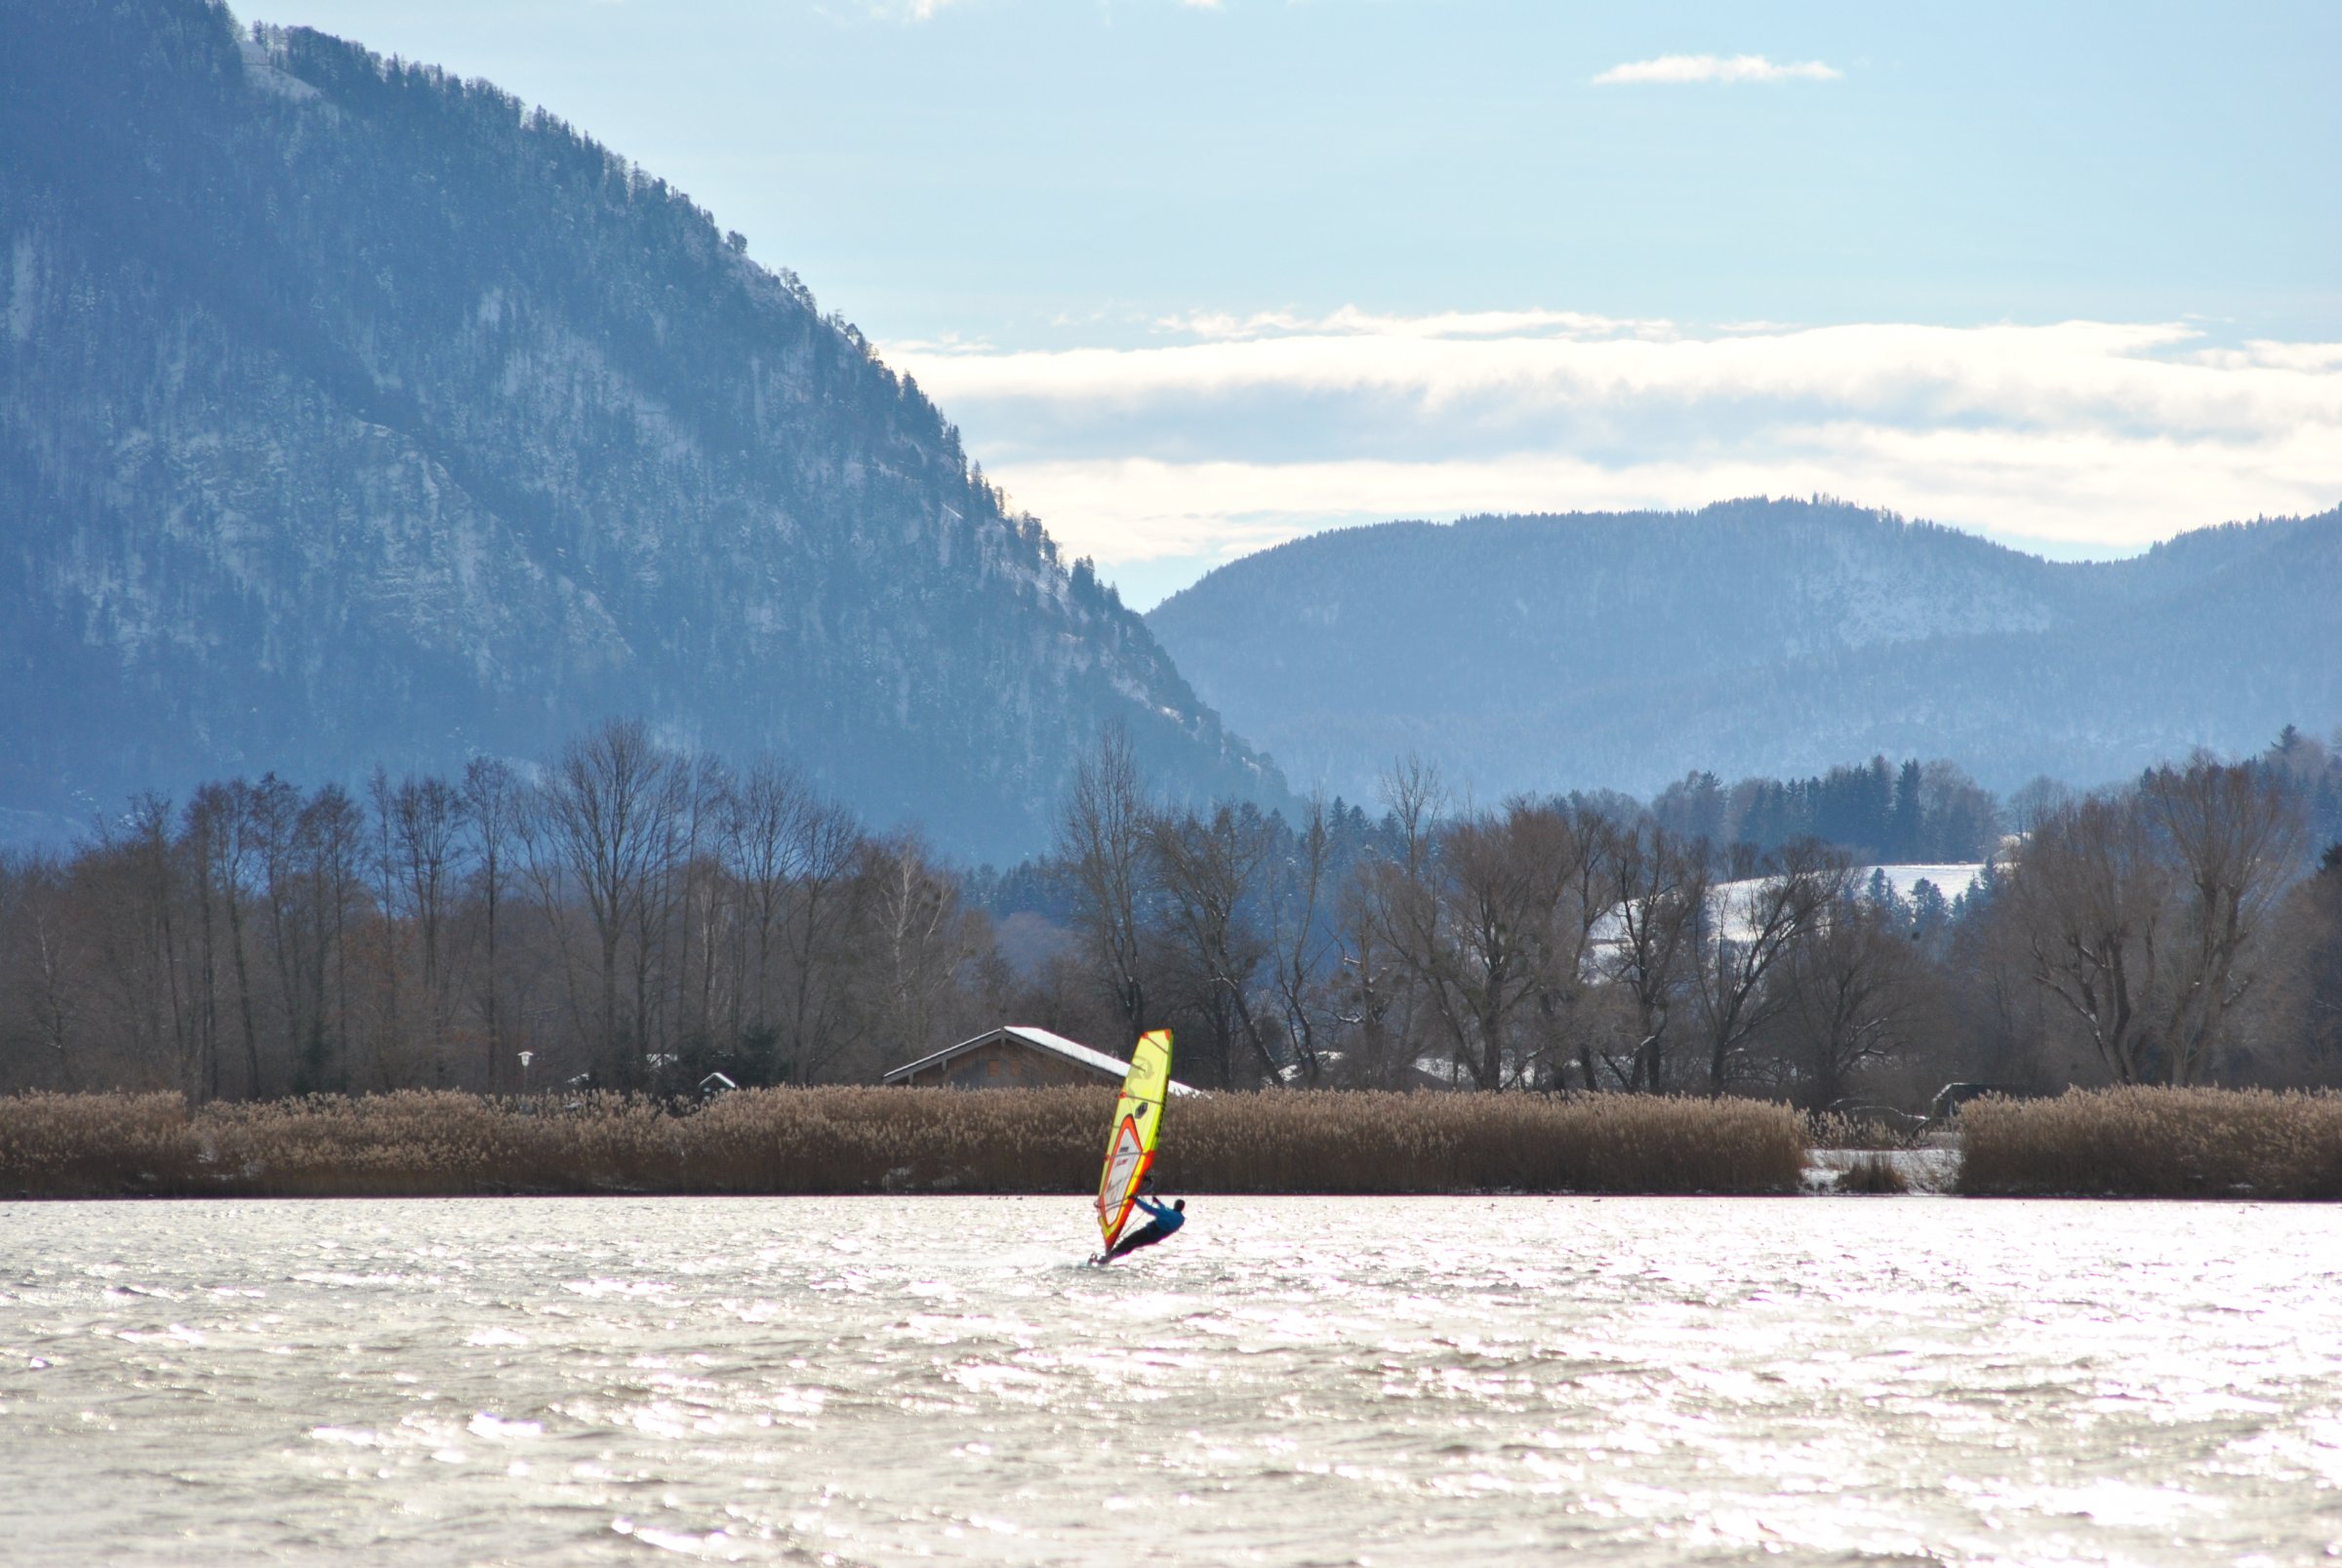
1161, 1223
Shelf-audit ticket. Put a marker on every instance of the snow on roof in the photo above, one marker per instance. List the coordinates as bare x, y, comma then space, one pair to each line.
1096, 1060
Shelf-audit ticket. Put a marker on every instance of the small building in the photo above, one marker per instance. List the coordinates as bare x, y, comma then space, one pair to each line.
1016, 1056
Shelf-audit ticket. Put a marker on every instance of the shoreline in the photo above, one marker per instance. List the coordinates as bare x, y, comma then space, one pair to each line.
2193, 1145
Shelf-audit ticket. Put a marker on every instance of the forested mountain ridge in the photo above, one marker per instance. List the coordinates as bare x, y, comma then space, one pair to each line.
1622, 650
351, 412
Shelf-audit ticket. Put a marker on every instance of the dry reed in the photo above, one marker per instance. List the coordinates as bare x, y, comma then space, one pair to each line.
2155, 1143
1344, 1141
850, 1139
1873, 1173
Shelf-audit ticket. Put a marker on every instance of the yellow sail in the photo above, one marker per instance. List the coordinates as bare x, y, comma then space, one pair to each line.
1138, 1119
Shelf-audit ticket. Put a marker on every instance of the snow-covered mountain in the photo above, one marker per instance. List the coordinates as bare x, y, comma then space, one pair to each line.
1771, 637
350, 414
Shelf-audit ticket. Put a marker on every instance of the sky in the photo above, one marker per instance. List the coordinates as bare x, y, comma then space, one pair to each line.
1193, 278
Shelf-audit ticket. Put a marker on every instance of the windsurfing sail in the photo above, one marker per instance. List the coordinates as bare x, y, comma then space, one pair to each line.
1138, 1119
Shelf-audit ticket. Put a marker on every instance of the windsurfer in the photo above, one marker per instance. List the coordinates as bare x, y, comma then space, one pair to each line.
1163, 1220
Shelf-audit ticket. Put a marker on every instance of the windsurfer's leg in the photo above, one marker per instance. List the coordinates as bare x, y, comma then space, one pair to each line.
1144, 1237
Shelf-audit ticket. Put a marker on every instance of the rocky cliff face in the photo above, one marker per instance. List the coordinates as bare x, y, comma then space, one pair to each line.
350, 414
1757, 637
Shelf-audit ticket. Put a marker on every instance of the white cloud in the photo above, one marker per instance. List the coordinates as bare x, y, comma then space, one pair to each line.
1677, 69
1234, 432
2085, 372
1350, 321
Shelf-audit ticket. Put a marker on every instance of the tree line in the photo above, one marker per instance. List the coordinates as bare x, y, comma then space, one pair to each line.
630, 917
636, 918
1589, 943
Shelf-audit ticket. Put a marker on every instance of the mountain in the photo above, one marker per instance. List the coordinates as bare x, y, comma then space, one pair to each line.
1771, 637
352, 414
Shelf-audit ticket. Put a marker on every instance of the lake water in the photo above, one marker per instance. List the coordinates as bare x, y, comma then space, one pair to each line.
1289, 1381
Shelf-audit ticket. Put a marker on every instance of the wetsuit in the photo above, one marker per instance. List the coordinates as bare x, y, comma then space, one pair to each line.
1166, 1220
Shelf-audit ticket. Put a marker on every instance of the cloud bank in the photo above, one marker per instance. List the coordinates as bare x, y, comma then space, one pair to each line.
1677, 69
1229, 433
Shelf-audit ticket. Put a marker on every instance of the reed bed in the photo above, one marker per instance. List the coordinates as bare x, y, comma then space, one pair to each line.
1336, 1142
852, 1140
2155, 1143
1873, 1173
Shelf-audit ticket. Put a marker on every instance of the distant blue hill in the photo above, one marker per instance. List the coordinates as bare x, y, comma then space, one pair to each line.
1776, 637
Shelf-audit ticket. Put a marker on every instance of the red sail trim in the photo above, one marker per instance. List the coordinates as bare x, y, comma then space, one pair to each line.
1117, 1198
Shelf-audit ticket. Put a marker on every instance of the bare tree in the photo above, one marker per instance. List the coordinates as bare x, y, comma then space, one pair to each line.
221, 845
1102, 850
1960, 818
1570, 1012
2236, 840
2093, 898
823, 923
1396, 910
426, 830
692, 898
2140, 911
1474, 913
922, 938
494, 804
1209, 870
2036, 802
142, 938
273, 811
1747, 929
1372, 1002
608, 816
2314, 928
44, 978
2006, 1022
1303, 949
1850, 985
763, 840
327, 885
1660, 901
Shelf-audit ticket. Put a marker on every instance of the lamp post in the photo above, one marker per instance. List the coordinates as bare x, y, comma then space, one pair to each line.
524, 1071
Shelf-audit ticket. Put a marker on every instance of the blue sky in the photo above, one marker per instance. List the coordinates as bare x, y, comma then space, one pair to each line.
1194, 278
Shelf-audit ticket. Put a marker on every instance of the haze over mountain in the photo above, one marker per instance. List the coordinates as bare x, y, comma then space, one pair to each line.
1621, 650
354, 414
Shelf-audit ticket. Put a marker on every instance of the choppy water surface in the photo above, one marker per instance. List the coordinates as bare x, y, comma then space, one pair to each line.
1289, 1381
